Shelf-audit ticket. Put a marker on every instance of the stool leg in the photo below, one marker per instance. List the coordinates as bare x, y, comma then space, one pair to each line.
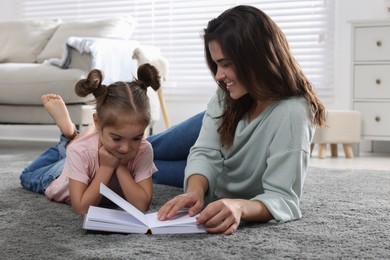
333, 150
164, 108
348, 151
311, 148
322, 151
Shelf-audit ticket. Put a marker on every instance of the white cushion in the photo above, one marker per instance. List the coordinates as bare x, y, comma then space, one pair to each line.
22, 41
24, 83
36, 114
121, 28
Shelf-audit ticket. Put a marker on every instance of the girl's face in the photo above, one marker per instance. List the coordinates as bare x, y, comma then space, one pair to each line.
226, 71
123, 140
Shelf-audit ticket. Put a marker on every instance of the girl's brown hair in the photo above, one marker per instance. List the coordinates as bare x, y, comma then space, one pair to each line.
121, 98
264, 65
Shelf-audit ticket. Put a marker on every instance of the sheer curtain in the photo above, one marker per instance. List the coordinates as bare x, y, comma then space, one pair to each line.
176, 26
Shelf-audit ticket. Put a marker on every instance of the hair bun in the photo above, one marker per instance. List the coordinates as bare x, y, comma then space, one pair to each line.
92, 84
148, 75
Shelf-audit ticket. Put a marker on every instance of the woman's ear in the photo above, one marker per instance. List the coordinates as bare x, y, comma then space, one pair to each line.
96, 121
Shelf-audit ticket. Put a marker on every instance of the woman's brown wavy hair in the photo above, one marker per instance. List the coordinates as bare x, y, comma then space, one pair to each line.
264, 65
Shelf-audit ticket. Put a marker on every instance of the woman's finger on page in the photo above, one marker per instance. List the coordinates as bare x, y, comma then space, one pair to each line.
196, 208
169, 209
179, 202
163, 212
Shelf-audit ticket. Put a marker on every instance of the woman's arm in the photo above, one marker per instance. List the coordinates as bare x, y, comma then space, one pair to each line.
138, 194
204, 164
197, 186
222, 216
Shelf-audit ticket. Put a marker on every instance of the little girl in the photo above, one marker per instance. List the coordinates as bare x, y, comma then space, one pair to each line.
111, 151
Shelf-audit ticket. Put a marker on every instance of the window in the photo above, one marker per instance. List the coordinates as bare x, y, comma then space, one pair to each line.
176, 26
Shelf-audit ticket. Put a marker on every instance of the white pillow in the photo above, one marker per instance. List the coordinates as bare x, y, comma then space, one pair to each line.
121, 28
22, 41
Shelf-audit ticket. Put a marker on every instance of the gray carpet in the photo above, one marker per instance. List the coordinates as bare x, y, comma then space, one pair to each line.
345, 216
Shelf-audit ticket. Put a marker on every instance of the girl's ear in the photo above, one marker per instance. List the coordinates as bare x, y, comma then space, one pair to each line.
96, 121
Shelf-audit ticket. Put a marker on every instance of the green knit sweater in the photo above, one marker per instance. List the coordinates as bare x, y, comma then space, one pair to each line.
268, 160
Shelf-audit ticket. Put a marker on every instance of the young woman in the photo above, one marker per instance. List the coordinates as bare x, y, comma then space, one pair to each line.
111, 151
251, 156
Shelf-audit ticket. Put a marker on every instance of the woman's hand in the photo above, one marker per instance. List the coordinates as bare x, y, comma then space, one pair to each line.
222, 216
191, 200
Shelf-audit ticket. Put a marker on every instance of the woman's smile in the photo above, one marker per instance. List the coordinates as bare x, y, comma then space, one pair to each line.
229, 85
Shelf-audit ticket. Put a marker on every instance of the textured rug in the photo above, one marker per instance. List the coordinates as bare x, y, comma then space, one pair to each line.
345, 216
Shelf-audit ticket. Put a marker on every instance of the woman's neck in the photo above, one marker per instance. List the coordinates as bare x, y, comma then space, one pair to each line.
257, 108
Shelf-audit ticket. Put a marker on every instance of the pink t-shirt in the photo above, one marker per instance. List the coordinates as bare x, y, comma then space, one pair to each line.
82, 163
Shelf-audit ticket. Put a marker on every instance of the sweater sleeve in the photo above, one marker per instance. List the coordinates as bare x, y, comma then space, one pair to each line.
205, 156
287, 164
282, 183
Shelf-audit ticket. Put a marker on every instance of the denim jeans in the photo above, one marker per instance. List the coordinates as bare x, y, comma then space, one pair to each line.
45, 168
171, 149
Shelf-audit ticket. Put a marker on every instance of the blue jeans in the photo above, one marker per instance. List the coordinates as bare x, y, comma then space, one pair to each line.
46, 168
171, 149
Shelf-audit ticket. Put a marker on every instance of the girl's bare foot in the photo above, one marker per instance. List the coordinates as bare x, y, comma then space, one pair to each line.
56, 108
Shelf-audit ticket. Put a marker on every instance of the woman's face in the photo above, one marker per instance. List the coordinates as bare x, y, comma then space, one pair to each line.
226, 71
123, 140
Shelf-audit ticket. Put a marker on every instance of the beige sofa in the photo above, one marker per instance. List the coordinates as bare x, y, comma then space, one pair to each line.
50, 56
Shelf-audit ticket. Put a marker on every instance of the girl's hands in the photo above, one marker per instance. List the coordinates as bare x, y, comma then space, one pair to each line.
82, 195
222, 216
107, 159
123, 162
191, 200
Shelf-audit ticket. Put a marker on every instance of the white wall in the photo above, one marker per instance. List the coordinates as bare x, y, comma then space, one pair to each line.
8, 9
181, 107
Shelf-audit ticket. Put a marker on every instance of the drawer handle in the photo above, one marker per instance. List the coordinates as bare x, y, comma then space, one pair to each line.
377, 119
378, 81
379, 43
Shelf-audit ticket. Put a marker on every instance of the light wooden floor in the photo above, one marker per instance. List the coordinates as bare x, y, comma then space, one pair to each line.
372, 161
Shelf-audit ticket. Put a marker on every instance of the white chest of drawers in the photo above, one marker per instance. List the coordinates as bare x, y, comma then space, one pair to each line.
371, 77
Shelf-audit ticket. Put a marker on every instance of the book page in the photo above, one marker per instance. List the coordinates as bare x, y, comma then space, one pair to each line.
111, 220
117, 216
180, 219
118, 200
181, 223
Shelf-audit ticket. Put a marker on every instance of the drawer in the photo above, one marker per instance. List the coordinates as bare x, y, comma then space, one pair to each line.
371, 81
372, 43
375, 118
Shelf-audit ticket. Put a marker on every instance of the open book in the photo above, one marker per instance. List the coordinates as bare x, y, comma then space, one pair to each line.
132, 220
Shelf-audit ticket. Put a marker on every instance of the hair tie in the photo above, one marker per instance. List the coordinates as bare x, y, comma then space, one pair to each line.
142, 84
98, 90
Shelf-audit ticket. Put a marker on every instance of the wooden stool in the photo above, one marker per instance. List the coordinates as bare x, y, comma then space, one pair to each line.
341, 127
